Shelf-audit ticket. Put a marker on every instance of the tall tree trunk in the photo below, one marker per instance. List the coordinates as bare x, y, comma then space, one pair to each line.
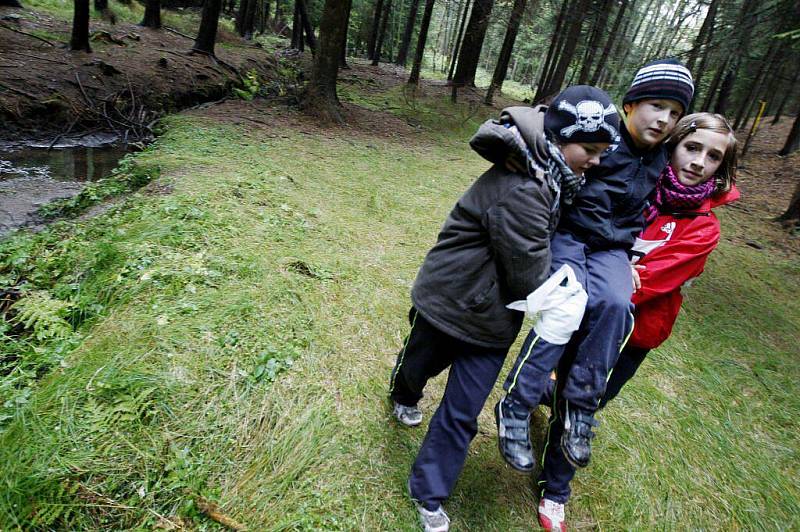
573, 32
306, 22
703, 38
755, 88
373, 29
152, 14
321, 99
278, 21
741, 49
712, 89
793, 211
787, 94
413, 79
405, 43
793, 140
473, 42
80, 27
457, 45
725, 91
552, 51
343, 54
452, 28
297, 28
606, 55
597, 36
387, 11
501, 69
249, 24
209, 20
240, 16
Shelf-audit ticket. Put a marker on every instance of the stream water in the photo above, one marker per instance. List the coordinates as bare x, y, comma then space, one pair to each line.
34, 174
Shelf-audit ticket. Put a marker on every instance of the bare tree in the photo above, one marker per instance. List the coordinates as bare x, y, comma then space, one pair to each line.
501, 69
792, 213
152, 14
793, 140
80, 27
209, 20
387, 11
405, 43
598, 30
373, 29
413, 79
321, 99
473, 42
571, 42
457, 44
606, 55
786, 95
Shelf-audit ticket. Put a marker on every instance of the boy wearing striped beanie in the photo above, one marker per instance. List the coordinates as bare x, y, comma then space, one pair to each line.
594, 237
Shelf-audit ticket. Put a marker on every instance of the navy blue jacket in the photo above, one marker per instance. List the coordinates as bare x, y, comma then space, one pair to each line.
607, 211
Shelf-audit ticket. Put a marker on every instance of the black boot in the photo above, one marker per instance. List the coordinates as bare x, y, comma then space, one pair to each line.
576, 441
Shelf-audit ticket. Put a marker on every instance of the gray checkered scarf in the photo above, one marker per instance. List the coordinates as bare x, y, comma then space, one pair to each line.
565, 179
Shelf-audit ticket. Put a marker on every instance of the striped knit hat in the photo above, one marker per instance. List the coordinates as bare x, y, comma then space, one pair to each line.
662, 79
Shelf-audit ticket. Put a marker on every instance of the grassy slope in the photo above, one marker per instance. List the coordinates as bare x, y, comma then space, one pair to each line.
292, 257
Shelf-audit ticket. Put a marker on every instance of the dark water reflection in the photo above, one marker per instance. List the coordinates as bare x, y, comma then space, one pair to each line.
33, 176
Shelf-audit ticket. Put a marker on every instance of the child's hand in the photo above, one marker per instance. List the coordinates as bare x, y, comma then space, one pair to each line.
637, 282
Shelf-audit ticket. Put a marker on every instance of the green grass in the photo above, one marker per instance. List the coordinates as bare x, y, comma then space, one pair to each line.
232, 340
184, 20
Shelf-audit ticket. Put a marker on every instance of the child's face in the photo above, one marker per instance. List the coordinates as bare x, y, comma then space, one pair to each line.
581, 156
698, 156
650, 121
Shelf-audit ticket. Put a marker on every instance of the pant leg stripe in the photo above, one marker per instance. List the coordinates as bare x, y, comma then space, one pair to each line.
403, 352
522, 363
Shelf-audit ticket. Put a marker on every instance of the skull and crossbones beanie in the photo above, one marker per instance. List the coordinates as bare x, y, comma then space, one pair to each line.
662, 79
582, 114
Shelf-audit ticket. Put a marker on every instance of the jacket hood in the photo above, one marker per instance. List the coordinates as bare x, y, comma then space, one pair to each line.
496, 143
723, 199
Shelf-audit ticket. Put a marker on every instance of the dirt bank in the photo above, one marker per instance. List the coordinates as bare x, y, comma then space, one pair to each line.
133, 75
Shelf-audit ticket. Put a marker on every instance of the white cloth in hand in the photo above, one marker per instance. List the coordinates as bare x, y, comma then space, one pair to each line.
560, 306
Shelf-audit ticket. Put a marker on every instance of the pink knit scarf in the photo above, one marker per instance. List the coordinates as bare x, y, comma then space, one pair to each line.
673, 196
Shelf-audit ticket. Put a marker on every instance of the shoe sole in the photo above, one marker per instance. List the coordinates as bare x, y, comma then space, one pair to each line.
409, 425
500, 444
574, 463
405, 424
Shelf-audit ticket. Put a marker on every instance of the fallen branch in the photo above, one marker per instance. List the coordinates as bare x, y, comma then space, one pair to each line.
176, 32
215, 513
39, 58
26, 33
18, 91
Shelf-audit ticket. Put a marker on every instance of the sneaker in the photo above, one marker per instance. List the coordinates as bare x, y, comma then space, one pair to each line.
551, 516
576, 441
410, 416
433, 521
513, 434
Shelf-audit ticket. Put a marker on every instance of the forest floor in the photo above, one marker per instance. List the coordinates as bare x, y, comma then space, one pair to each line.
216, 346
132, 75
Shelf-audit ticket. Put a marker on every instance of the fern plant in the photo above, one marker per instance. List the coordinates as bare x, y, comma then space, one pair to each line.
43, 315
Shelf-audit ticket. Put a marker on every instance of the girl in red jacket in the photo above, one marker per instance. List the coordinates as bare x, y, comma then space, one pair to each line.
681, 231
680, 234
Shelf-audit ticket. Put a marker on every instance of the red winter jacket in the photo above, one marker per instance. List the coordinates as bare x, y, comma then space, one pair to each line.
674, 248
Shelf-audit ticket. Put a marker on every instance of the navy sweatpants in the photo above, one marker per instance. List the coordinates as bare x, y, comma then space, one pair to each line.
557, 472
473, 372
607, 323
